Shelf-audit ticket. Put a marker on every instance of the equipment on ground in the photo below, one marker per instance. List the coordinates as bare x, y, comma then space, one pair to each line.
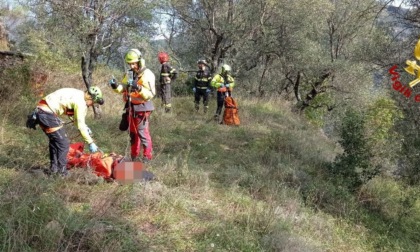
230, 114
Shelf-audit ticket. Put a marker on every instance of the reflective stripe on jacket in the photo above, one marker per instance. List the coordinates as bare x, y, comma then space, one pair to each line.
218, 81
146, 80
202, 79
167, 73
65, 100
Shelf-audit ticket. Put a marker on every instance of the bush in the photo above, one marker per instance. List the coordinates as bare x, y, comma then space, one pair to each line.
183, 85
353, 166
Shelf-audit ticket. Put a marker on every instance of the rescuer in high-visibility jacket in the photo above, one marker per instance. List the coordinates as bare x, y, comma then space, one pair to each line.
138, 88
224, 84
71, 102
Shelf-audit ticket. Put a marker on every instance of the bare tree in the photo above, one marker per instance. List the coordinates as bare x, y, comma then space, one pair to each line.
97, 26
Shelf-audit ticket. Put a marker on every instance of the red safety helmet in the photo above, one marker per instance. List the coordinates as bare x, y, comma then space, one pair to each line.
163, 57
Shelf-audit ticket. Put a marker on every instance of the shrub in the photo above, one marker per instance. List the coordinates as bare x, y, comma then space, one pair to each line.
353, 165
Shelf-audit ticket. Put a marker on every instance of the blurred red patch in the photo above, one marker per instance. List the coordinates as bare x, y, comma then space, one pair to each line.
128, 172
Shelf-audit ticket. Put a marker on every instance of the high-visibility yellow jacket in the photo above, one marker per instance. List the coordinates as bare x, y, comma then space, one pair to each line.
218, 81
146, 79
64, 100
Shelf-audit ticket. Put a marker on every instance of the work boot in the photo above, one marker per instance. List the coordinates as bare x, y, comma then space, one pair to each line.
52, 171
145, 160
63, 172
135, 159
216, 117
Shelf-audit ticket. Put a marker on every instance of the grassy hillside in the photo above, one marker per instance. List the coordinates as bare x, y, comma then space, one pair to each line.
262, 186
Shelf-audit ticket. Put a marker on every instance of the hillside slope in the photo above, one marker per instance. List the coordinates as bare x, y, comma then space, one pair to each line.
218, 188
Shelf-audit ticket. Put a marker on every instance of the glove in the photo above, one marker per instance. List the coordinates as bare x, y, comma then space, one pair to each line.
136, 87
227, 85
194, 89
31, 122
113, 83
221, 85
89, 131
130, 83
208, 90
93, 147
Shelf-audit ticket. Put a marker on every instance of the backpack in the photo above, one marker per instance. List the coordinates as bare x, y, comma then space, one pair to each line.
230, 115
32, 120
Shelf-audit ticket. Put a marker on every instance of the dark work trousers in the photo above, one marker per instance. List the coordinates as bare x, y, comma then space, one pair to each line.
165, 93
58, 142
220, 101
201, 93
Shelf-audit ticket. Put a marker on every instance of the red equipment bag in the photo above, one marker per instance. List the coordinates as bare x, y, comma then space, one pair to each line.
102, 164
230, 115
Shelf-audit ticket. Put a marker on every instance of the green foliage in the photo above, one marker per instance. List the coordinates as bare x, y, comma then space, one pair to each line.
407, 145
319, 107
183, 85
395, 203
246, 188
14, 83
47, 56
381, 119
353, 166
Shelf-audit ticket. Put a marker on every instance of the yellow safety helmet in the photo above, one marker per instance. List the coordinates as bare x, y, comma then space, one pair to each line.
226, 69
96, 94
132, 56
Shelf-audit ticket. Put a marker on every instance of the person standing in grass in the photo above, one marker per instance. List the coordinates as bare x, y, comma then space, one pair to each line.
167, 75
224, 84
202, 85
138, 88
71, 102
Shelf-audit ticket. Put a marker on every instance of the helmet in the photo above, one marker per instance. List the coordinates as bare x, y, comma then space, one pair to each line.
142, 63
132, 56
163, 57
202, 61
96, 94
226, 68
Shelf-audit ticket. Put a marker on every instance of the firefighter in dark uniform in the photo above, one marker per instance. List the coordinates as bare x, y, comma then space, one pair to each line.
167, 75
202, 85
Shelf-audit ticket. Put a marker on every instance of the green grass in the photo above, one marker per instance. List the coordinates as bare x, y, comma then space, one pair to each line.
261, 186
